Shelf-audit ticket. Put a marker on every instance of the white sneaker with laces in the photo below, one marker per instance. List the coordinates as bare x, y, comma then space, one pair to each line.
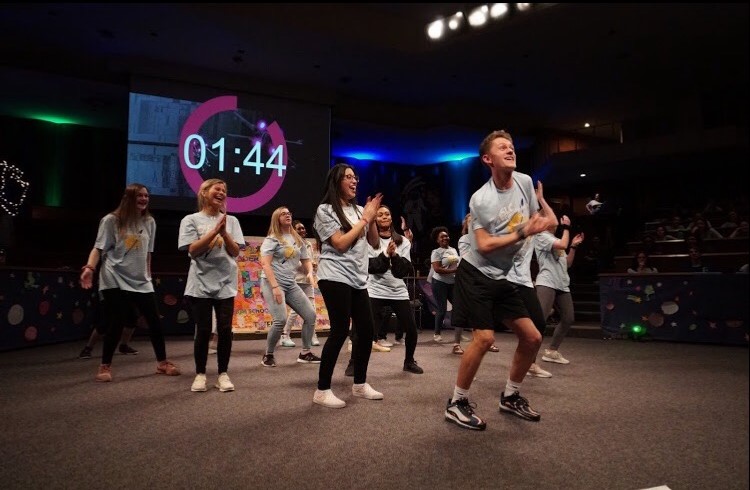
437, 338
199, 383
554, 356
376, 347
366, 391
384, 343
328, 399
315, 340
286, 341
538, 372
224, 384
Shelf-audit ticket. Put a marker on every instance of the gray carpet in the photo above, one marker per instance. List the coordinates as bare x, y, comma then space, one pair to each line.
622, 415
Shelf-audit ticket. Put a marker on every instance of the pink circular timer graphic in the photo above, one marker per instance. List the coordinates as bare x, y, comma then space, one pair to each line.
193, 124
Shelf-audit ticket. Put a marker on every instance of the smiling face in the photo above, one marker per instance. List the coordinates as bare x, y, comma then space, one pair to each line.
348, 186
301, 230
443, 239
141, 200
500, 156
216, 196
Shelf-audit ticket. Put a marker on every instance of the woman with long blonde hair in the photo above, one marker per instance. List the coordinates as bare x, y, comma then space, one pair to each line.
281, 254
212, 239
124, 244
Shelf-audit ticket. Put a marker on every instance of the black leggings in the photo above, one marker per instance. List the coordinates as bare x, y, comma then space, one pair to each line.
405, 317
117, 307
343, 303
224, 309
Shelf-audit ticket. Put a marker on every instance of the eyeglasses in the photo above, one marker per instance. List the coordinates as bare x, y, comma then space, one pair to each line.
351, 177
286, 213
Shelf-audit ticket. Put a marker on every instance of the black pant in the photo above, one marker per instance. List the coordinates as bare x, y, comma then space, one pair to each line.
224, 309
117, 307
405, 317
345, 303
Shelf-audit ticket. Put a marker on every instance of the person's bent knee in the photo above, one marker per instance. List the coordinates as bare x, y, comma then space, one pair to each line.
484, 339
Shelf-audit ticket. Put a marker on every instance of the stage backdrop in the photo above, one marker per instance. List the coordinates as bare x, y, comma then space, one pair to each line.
250, 311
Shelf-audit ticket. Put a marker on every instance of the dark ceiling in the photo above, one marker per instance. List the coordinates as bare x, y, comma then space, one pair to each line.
551, 68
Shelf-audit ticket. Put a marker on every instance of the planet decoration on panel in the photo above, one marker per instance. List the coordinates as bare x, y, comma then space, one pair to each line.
203, 153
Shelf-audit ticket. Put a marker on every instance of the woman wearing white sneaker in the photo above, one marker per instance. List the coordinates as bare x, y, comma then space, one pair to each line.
282, 253
343, 230
444, 261
305, 283
553, 283
212, 239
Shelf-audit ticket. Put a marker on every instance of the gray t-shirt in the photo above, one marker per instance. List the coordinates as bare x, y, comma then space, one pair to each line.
301, 275
349, 267
448, 258
385, 286
286, 255
464, 245
499, 212
213, 274
553, 264
125, 256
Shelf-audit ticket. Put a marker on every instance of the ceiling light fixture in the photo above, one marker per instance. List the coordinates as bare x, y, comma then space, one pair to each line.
436, 29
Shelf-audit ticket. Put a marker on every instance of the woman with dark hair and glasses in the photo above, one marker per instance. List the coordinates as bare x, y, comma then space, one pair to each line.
343, 230
124, 243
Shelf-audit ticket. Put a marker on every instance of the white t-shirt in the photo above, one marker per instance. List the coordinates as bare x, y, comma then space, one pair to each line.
125, 256
349, 267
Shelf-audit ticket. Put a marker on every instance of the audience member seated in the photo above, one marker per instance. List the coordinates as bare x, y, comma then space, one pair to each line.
740, 231
661, 234
641, 264
704, 231
675, 228
731, 224
695, 261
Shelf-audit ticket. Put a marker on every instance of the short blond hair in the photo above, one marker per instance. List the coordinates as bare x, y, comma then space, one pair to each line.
484, 148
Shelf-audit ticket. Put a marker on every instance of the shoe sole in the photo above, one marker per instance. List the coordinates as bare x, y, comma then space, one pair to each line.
327, 405
307, 362
451, 418
268, 365
223, 390
366, 397
103, 380
413, 372
198, 390
519, 415
549, 359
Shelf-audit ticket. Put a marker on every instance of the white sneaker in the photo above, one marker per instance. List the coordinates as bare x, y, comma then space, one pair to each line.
366, 391
212, 348
379, 348
554, 356
349, 345
315, 340
384, 343
437, 338
398, 341
286, 341
538, 372
199, 383
223, 383
328, 399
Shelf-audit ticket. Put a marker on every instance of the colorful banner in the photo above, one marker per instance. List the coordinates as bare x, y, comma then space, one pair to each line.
250, 311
